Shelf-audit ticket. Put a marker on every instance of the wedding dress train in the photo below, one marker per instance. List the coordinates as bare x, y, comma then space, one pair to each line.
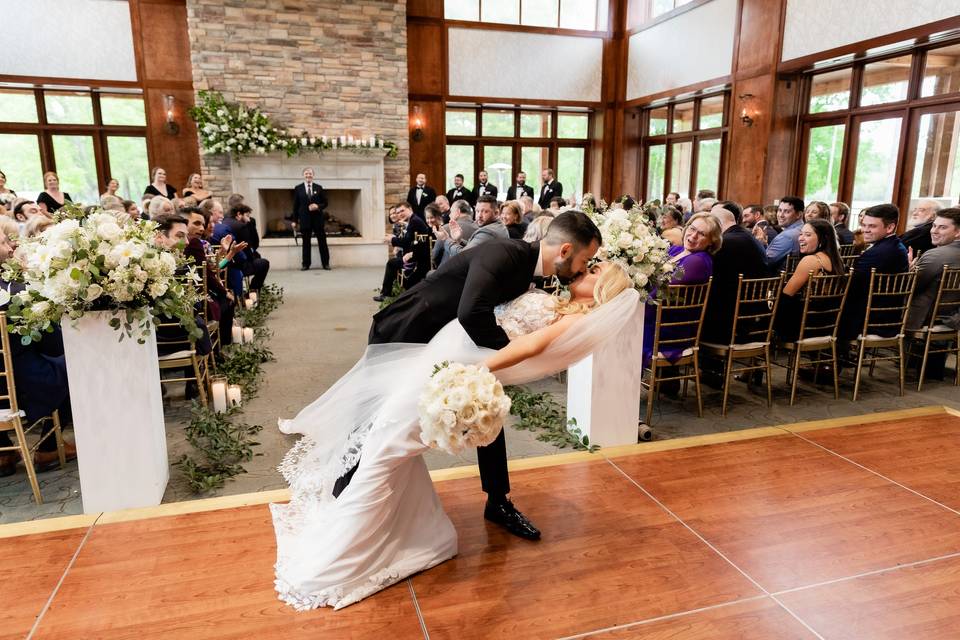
388, 523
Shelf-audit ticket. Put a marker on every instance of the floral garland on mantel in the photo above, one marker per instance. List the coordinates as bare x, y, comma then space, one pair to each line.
229, 127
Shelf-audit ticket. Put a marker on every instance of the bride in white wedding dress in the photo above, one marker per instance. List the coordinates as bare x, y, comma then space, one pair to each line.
388, 523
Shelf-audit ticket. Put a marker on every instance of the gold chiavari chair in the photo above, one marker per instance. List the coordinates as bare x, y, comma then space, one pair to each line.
213, 326
752, 326
884, 323
848, 250
849, 261
937, 331
677, 326
10, 415
791, 264
185, 357
823, 303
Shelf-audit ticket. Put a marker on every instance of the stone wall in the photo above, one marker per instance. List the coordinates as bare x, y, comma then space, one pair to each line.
324, 66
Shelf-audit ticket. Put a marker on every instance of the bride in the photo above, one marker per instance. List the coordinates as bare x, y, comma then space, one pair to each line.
388, 523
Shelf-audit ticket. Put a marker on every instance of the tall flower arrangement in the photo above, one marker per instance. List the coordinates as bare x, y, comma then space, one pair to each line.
97, 262
630, 238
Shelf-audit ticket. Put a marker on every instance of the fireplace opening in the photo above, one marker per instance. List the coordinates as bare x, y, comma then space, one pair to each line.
344, 213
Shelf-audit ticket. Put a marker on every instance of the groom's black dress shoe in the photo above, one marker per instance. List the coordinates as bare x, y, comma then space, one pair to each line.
507, 516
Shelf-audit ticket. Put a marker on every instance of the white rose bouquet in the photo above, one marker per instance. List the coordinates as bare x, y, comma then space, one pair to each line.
233, 128
97, 262
462, 407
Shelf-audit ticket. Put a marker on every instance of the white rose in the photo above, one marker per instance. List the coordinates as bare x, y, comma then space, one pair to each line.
93, 292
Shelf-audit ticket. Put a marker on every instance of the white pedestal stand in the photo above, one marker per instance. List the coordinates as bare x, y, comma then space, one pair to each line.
117, 415
603, 390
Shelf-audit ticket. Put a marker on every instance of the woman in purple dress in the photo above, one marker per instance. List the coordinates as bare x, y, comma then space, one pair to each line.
702, 238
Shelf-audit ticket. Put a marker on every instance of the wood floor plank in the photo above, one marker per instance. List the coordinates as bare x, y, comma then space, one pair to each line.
791, 514
923, 454
30, 567
608, 556
754, 620
202, 575
914, 602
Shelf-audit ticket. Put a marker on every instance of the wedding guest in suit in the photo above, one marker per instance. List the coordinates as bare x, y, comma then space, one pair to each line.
790, 217
511, 218
488, 220
158, 185
51, 198
246, 262
309, 205
223, 301
840, 216
550, 189
918, 237
444, 206
460, 192
420, 195
483, 187
752, 218
411, 249
195, 188
672, 198
462, 214
527, 205
945, 237
520, 189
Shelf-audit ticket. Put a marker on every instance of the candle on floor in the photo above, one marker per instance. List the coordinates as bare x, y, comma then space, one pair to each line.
334, 141
237, 334
218, 389
248, 303
343, 140
247, 334
233, 395
253, 296
373, 141
380, 142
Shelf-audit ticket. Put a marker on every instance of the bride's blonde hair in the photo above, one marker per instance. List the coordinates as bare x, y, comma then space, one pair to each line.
611, 282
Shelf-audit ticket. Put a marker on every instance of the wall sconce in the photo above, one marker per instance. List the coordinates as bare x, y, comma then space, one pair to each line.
417, 124
746, 100
171, 126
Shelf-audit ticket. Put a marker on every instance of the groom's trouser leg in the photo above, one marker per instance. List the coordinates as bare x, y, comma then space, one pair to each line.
492, 460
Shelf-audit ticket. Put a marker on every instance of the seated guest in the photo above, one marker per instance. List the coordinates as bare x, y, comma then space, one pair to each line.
111, 203
754, 222
160, 206
840, 216
40, 376
704, 200
462, 214
444, 206
214, 208
945, 236
420, 195
672, 198
556, 203
527, 204
489, 226
51, 199
434, 218
816, 210
413, 251
460, 192
222, 301
36, 225
918, 237
790, 217
246, 261
158, 185
13, 229
511, 216
520, 189
886, 254
537, 229
194, 188
821, 255
133, 211
859, 244
706, 205
671, 225
739, 254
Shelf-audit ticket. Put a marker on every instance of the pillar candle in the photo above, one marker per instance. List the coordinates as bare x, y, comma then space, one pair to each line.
219, 391
247, 334
343, 140
233, 395
248, 303
253, 296
373, 141
237, 334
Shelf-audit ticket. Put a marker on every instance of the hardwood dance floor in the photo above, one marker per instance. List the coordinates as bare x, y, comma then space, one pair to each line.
803, 531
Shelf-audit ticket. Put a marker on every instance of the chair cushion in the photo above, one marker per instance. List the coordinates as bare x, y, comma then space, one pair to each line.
872, 337
686, 353
746, 346
816, 340
177, 355
213, 325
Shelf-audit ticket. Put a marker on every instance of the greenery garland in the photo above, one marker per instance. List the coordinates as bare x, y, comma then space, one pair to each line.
230, 127
541, 412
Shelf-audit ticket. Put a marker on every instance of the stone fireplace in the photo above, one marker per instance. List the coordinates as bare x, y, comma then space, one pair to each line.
354, 184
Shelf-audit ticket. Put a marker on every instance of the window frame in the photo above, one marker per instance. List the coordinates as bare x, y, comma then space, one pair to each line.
520, 24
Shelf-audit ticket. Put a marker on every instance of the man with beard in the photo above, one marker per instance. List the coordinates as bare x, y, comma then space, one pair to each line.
520, 189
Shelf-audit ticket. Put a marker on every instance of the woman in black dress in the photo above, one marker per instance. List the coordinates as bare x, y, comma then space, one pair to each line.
52, 198
195, 188
159, 186
820, 256
511, 216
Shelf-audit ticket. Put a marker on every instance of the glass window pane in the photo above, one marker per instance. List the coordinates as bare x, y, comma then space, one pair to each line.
659, 7
540, 13
123, 110
535, 124
498, 122
680, 166
20, 155
570, 162
658, 121
578, 14
128, 165
17, 106
885, 81
459, 160
498, 163
77, 167
876, 162
711, 112
824, 156
461, 122
936, 169
656, 171
68, 107
708, 165
683, 117
573, 125
830, 91
941, 71
505, 11
533, 160
461, 9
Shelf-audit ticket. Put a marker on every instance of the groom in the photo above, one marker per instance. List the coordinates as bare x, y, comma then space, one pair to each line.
467, 287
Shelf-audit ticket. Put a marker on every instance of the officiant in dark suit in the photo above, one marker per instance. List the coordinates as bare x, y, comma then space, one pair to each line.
420, 195
551, 189
483, 187
520, 189
309, 209
467, 287
460, 192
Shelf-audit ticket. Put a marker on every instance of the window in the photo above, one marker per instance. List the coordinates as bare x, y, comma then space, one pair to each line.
498, 163
824, 149
498, 123
459, 160
535, 124
830, 91
885, 81
76, 167
683, 148
461, 122
941, 71
20, 154
18, 106
574, 126
659, 7
570, 171
505, 11
540, 13
128, 164
65, 107
936, 165
876, 162
583, 15
123, 110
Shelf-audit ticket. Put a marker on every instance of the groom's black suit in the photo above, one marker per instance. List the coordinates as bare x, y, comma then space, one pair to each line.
466, 287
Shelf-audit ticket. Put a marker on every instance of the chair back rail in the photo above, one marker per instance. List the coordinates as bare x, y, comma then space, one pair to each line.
888, 301
947, 304
680, 316
756, 306
848, 250
8, 389
823, 303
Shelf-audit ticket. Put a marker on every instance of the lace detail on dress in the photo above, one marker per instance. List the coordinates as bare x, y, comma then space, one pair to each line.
525, 314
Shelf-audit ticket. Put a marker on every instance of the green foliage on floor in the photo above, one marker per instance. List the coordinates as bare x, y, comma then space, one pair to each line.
540, 412
221, 445
394, 294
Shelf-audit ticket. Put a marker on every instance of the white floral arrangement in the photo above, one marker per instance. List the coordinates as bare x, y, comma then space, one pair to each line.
630, 238
462, 407
97, 261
